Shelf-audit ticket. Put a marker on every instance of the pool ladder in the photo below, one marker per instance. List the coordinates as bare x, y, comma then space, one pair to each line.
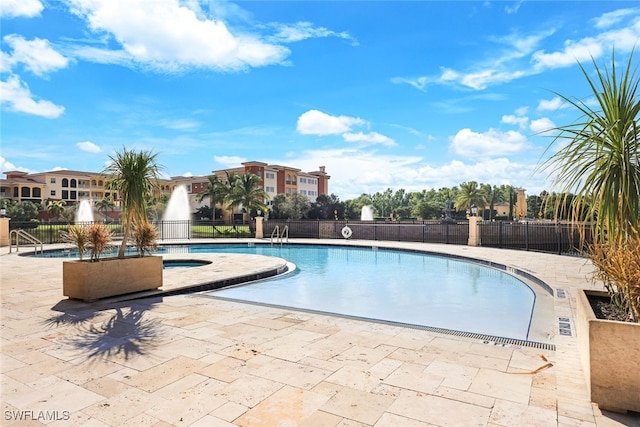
25, 236
278, 236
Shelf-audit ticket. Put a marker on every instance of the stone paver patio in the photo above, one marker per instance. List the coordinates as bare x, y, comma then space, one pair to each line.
194, 360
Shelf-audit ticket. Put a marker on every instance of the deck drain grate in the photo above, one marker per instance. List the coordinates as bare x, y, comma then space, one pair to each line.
560, 293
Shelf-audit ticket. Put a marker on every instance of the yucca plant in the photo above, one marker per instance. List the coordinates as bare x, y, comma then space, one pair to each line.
78, 236
145, 237
618, 267
135, 177
99, 240
599, 162
600, 154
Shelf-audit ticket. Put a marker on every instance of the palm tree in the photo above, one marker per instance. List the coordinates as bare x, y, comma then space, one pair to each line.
245, 191
600, 163
105, 204
55, 207
134, 175
491, 194
216, 192
469, 194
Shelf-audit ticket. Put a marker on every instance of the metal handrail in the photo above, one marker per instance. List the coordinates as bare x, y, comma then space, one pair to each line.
21, 233
276, 232
279, 236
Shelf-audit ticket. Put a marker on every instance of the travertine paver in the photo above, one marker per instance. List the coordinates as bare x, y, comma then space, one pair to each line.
194, 360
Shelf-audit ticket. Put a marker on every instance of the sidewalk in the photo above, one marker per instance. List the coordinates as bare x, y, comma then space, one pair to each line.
194, 360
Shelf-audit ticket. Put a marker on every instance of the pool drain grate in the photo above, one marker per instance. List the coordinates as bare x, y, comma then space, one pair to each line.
489, 339
486, 339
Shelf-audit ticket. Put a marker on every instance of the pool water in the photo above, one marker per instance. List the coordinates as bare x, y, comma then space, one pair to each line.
391, 285
387, 285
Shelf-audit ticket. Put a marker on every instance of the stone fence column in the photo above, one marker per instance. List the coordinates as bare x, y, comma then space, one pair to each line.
474, 230
259, 229
4, 232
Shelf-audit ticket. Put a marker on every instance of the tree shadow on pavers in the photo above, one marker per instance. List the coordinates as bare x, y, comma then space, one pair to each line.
124, 334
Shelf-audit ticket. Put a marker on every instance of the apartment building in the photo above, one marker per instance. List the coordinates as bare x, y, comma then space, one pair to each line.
76, 186
67, 185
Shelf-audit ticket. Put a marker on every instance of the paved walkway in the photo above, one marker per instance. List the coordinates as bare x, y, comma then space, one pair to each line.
193, 360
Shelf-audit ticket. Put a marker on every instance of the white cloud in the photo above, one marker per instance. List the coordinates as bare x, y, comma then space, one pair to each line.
229, 161
520, 121
484, 78
37, 55
419, 83
492, 143
89, 147
552, 104
6, 166
611, 18
314, 122
356, 171
369, 138
23, 8
16, 96
573, 52
513, 8
542, 125
172, 37
288, 33
514, 62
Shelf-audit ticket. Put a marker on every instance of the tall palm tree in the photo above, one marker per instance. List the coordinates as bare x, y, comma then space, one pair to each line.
55, 207
469, 194
490, 193
105, 204
134, 175
245, 191
216, 192
600, 163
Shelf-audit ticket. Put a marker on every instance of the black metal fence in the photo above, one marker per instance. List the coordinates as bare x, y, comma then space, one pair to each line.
560, 238
405, 231
550, 237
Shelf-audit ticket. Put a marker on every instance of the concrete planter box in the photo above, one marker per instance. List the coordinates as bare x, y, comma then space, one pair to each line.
609, 351
109, 277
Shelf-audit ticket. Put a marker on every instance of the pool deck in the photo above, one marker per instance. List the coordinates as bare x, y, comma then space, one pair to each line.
195, 360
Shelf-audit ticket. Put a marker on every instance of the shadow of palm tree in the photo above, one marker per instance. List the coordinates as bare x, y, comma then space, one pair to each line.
126, 333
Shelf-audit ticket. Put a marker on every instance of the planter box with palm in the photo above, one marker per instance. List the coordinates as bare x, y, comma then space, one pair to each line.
134, 176
599, 164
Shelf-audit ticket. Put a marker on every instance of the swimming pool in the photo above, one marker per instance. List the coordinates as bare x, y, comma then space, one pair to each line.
387, 285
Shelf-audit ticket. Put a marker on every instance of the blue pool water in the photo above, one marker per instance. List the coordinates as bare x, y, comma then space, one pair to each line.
388, 285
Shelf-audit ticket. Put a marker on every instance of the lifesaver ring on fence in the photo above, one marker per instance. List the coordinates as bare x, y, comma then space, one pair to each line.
346, 232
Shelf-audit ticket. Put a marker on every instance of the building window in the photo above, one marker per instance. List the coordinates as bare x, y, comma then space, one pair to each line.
270, 189
74, 195
65, 182
271, 175
36, 192
52, 193
25, 192
74, 184
65, 194
52, 181
304, 192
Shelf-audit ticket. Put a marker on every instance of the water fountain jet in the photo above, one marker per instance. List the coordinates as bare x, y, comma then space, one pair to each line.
175, 221
366, 214
84, 214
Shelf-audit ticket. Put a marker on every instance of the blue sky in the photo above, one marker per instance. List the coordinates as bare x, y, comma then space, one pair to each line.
413, 95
